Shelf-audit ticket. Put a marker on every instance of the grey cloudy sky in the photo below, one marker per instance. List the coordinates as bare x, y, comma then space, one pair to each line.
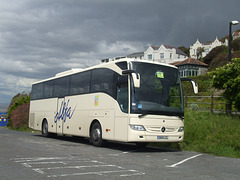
39, 38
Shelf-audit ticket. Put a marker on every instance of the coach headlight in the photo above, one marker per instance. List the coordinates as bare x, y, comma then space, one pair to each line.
181, 129
137, 127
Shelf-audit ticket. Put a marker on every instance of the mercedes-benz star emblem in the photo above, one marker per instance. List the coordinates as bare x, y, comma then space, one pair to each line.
163, 129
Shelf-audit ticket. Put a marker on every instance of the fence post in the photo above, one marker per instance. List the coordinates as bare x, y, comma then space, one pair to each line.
186, 98
212, 100
228, 108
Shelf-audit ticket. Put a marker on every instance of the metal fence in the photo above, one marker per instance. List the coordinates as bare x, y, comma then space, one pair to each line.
209, 103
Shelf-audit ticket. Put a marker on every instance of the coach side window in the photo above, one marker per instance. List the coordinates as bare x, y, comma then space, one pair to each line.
48, 89
80, 83
103, 81
61, 87
37, 91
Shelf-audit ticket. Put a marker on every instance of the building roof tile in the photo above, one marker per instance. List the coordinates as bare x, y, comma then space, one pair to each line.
236, 33
189, 61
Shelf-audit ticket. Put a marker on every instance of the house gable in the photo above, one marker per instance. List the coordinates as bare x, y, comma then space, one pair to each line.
164, 54
204, 48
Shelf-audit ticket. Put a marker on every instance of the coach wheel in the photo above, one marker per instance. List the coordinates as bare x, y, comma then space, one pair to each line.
45, 132
96, 134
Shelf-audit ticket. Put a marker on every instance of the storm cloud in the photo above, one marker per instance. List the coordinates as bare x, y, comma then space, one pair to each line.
41, 38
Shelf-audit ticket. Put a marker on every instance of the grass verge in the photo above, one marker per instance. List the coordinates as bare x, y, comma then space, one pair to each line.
24, 128
217, 134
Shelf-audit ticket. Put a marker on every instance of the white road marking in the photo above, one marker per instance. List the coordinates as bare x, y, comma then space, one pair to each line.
100, 173
18, 160
183, 161
125, 152
133, 174
30, 164
56, 166
73, 167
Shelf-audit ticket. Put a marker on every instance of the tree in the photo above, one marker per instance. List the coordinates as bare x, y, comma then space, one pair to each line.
200, 50
227, 78
220, 61
185, 50
15, 120
236, 44
214, 53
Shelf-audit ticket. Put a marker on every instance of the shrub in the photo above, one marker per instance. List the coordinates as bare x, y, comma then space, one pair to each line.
227, 78
18, 100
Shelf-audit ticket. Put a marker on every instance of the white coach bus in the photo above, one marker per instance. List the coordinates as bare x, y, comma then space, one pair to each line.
124, 100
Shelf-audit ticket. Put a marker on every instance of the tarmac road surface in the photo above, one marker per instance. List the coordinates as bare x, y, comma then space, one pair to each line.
31, 156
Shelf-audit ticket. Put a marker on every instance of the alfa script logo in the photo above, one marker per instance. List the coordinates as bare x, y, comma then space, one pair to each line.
64, 112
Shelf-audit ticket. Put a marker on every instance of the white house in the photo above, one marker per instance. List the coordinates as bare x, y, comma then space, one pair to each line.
204, 48
137, 55
236, 35
164, 54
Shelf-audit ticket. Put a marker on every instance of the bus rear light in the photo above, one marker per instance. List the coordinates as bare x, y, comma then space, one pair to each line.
137, 127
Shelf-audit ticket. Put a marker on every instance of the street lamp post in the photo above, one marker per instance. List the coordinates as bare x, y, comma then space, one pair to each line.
230, 40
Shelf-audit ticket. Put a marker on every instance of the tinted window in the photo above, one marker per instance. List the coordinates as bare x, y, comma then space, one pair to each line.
61, 87
37, 91
103, 80
122, 65
80, 83
160, 90
48, 89
122, 92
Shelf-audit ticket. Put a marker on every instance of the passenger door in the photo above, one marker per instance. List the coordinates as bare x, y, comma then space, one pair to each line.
60, 115
61, 90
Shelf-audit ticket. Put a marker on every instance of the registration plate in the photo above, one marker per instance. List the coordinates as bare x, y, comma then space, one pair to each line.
162, 137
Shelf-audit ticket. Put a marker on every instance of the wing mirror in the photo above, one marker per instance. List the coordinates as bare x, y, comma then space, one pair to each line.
194, 84
135, 77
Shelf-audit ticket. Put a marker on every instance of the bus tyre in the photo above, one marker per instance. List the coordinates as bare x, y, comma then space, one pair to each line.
96, 134
45, 132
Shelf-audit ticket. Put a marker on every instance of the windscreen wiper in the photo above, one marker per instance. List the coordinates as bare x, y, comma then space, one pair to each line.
143, 114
